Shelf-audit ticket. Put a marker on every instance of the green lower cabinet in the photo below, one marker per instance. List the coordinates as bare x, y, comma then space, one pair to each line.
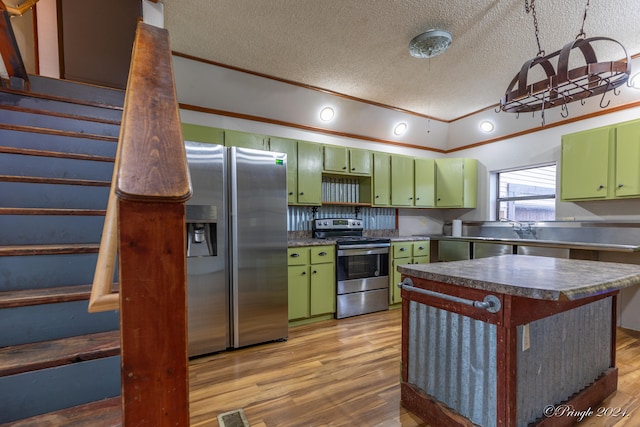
312, 284
414, 252
323, 289
298, 291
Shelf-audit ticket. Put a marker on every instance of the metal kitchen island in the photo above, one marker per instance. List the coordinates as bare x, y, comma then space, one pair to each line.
508, 340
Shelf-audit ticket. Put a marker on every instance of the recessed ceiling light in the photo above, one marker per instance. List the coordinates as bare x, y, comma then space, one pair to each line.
326, 114
487, 126
400, 129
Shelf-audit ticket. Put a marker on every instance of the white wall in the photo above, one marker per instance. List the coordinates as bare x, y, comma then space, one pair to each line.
214, 87
48, 38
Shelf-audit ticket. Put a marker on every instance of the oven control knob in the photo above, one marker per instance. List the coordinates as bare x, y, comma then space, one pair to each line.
326, 223
358, 223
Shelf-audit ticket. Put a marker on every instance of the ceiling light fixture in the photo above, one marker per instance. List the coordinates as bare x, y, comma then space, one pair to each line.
563, 85
326, 114
487, 126
430, 44
400, 129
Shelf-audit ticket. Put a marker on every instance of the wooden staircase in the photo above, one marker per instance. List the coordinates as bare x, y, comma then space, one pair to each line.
58, 363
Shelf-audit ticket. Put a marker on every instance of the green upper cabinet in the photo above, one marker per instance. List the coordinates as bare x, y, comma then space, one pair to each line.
359, 161
309, 173
424, 182
200, 133
402, 181
336, 159
627, 178
456, 183
234, 138
345, 160
290, 147
381, 179
584, 162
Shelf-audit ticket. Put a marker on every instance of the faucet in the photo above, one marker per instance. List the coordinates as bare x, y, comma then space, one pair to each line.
520, 228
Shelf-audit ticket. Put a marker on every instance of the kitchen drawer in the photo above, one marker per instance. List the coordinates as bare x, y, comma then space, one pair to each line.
421, 259
421, 249
298, 256
323, 254
402, 250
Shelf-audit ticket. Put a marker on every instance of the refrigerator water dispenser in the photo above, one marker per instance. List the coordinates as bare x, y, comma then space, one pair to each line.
201, 231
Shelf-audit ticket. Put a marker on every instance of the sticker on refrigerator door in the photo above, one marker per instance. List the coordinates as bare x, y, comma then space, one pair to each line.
279, 162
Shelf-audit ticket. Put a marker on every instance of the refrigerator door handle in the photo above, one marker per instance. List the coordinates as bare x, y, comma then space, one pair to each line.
233, 225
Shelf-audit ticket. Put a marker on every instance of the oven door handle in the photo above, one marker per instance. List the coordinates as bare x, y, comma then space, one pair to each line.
362, 251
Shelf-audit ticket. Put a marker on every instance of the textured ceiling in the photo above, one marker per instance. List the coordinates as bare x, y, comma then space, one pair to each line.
360, 47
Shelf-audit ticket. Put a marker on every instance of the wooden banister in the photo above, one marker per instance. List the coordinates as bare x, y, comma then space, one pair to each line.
9, 48
145, 225
102, 299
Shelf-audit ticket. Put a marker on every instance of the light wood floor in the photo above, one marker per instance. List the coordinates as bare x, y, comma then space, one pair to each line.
345, 373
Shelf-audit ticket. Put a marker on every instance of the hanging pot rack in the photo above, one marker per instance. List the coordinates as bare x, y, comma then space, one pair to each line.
563, 85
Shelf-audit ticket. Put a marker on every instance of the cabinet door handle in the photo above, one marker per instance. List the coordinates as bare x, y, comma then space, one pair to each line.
620, 185
417, 198
322, 253
315, 271
377, 197
402, 249
344, 168
295, 255
421, 248
410, 198
291, 193
353, 169
304, 273
600, 187
302, 193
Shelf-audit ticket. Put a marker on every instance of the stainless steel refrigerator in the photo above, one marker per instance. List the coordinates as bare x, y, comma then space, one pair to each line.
236, 247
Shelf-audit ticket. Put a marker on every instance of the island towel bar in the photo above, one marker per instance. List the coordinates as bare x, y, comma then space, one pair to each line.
491, 303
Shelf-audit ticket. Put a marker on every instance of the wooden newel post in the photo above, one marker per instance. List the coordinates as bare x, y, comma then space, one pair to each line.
153, 314
152, 186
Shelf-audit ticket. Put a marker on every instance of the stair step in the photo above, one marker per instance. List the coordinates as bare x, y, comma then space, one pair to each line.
55, 154
52, 211
48, 131
101, 413
23, 298
48, 354
76, 90
46, 102
58, 114
60, 122
63, 181
22, 250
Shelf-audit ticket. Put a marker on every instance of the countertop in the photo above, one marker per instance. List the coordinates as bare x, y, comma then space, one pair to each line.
531, 276
544, 243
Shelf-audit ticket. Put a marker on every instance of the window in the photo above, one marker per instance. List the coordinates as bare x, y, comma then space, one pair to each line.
527, 194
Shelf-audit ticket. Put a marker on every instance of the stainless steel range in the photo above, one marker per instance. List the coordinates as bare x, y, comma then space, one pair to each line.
362, 266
